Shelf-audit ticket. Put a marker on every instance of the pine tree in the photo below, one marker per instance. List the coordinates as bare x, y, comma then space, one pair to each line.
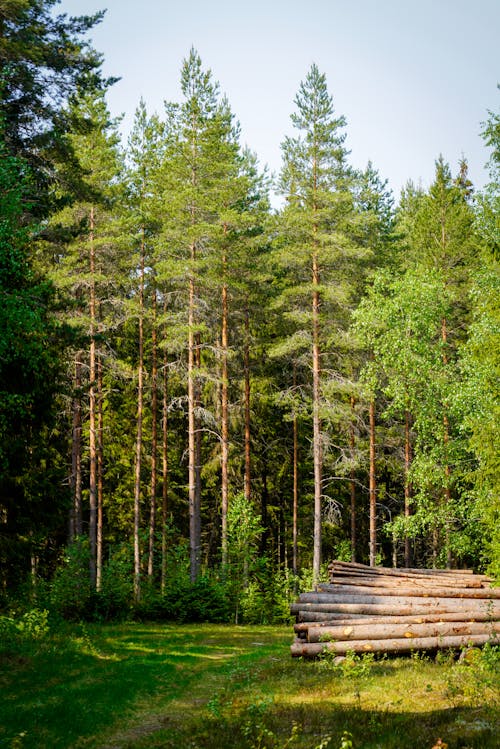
198, 194
45, 59
31, 373
316, 247
145, 154
88, 269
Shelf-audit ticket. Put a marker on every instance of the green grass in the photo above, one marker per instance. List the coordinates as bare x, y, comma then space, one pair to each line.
220, 687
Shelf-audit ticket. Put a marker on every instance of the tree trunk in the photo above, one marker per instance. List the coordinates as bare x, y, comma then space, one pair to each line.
193, 434
408, 487
164, 503
317, 446
154, 438
246, 367
224, 417
100, 470
76, 523
295, 547
92, 410
352, 445
138, 442
373, 489
446, 439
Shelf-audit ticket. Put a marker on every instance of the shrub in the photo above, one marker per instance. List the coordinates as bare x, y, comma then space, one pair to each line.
16, 630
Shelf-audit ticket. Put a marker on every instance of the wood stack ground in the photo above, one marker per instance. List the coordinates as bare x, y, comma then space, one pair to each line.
377, 609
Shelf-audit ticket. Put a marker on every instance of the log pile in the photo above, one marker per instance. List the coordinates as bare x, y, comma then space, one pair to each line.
376, 609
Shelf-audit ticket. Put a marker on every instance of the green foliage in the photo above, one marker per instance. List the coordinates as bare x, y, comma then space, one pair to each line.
474, 679
29, 626
267, 597
72, 595
71, 592
350, 666
30, 377
45, 58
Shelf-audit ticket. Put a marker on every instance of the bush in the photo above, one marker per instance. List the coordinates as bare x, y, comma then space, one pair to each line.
267, 597
16, 630
72, 595
205, 600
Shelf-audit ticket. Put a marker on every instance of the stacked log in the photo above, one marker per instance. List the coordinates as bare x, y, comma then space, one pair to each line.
377, 609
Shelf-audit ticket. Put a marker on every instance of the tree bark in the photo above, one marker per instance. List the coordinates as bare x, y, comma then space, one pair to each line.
352, 445
341, 620
317, 445
92, 409
138, 442
100, 473
373, 489
154, 438
224, 415
404, 588
193, 434
392, 608
246, 366
362, 631
76, 522
407, 598
312, 650
408, 487
164, 503
446, 440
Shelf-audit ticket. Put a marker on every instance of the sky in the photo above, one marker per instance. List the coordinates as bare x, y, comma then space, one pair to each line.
413, 78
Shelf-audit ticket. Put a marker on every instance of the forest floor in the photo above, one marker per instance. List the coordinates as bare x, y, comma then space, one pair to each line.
139, 686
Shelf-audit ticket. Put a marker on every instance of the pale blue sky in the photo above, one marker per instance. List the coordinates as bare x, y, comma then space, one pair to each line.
414, 78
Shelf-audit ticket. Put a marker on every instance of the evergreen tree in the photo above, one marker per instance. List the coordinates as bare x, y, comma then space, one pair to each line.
317, 248
203, 185
45, 59
145, 156
30, 376
90, 270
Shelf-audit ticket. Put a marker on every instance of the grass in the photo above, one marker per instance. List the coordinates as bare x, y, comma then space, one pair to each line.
219, 687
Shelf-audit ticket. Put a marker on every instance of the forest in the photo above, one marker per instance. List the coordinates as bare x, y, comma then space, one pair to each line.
204, 399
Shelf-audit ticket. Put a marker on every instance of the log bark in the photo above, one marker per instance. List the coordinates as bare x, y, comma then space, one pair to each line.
397, 609
340, 620
409, 600
353, 568
381, 581
401, 645
376, 609
415, 591
390, 630
327, 616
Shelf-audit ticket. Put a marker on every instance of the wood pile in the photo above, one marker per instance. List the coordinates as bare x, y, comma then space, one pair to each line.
377, 609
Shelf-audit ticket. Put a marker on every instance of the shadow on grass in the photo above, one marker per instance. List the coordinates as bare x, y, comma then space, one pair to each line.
69, 690
305, 727
139, 686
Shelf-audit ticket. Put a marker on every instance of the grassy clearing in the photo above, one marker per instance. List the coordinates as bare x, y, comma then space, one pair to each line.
220, 687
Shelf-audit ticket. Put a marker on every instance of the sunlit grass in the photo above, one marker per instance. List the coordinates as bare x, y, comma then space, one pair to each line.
220, 687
